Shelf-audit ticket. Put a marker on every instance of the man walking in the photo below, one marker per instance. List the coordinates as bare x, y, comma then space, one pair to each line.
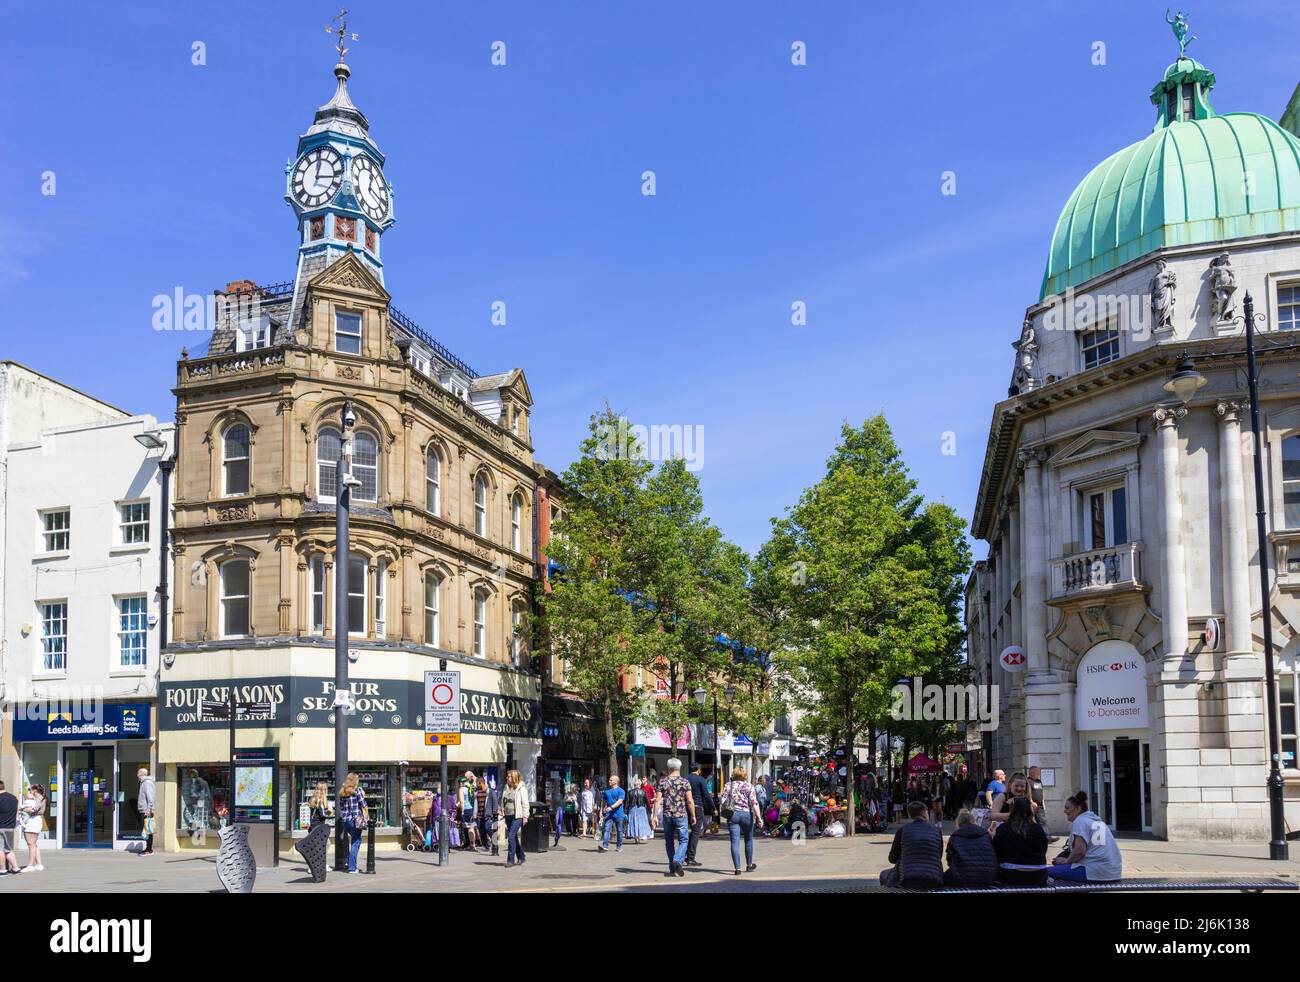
144, 803
8, 830
675, 806
612, 814
703, 802
1036, 796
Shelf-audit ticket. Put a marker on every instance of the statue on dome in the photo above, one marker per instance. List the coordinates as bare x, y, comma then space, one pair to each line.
1223, 284
1179, 25
1163, 284
1025, 376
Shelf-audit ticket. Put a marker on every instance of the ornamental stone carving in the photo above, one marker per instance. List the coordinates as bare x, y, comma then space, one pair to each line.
1025, 376
1223, 285
1163, 286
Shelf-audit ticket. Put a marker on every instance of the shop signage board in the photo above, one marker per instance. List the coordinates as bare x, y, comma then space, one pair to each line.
1111, 688
1013, 659
381, 704
38, 721
255, 785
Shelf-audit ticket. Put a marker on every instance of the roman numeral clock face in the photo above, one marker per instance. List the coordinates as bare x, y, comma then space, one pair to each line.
372, 189
316, 177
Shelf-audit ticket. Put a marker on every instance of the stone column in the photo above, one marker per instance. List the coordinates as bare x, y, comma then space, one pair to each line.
1033, 574
1232, 517
1173, 568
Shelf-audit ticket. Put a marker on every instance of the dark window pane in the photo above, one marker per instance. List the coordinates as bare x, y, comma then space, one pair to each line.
1097, 509
1119, 509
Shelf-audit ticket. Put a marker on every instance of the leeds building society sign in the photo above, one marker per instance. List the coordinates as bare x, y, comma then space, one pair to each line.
384, 704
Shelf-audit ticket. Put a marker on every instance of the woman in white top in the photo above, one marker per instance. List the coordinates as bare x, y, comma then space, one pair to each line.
1091, 854
514, 806
32, 809
587, 808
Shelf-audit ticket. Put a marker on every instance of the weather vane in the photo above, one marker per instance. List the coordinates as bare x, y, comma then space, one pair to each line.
1179, 25
342, 32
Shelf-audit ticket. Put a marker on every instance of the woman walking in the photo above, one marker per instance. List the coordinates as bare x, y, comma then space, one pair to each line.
514, 803
739, 799
354, 815
31, 812
587, 804
571, 810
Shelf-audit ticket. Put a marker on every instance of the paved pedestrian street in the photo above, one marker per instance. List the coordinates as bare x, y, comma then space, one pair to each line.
783, 867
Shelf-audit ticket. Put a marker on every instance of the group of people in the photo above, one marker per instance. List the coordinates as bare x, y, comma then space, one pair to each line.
1005, 842
479, 816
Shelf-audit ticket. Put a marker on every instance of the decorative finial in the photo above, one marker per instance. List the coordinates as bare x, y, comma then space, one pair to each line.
342, 32
1179, 25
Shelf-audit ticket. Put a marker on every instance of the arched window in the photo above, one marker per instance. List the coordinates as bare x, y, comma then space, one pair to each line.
235, 598
433, 482
365, 465
517, 648
432, 623
516, 515
1291, 481
234, 460
356, 594
480, 505
480, 623
329, 447
381, 595
317, 569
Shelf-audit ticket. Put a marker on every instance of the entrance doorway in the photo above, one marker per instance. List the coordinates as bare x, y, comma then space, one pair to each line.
88, 797
1119, 782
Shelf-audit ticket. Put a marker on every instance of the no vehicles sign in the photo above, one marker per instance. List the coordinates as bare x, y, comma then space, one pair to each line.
442, 704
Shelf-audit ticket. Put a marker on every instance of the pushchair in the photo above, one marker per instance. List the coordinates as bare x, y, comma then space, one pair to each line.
417, 821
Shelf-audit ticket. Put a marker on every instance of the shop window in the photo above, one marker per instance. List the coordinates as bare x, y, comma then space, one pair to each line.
131, 756
204, 790
234, 460
235, 599
1288, 684
376, 783
432, 594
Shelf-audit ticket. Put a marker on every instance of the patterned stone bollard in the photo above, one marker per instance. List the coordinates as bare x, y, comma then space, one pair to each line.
314, 849
236, 867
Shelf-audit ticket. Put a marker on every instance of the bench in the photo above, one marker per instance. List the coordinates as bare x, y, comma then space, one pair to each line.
1136, 884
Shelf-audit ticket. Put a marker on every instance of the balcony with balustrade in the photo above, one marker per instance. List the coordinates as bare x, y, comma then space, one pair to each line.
1098, 572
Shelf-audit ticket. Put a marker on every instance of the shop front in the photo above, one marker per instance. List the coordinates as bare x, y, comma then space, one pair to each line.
290, 708
86, 756
1112, 720
573, 743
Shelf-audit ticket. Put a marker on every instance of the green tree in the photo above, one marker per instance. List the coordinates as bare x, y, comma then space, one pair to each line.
871, 579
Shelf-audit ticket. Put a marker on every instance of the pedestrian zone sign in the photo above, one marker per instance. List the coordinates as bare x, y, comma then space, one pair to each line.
441, 707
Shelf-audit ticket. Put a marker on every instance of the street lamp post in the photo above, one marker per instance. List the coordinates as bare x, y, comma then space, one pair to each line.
343, 482
1184, 383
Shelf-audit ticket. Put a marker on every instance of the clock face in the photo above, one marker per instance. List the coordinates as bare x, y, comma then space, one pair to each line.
316, 177
371, 188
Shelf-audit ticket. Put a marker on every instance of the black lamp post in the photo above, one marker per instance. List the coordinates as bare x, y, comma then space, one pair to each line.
1184, 383
343, 484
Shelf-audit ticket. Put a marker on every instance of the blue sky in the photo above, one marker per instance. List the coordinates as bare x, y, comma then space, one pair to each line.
775, 184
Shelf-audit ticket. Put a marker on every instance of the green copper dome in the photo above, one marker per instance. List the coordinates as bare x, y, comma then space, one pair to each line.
1199, 177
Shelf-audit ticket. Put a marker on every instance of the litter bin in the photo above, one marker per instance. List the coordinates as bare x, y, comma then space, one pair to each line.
536, 833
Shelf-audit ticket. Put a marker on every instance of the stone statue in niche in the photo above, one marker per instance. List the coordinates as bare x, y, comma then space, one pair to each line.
1163, 285
1223, 284
1024, 378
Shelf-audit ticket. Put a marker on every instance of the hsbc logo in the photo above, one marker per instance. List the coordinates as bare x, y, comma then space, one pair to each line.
1115, 666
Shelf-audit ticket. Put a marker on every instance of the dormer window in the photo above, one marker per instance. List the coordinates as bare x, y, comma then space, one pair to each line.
1099, 347
253, 333
347, 332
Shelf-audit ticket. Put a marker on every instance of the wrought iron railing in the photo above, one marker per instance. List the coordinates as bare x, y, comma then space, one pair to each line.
414, 329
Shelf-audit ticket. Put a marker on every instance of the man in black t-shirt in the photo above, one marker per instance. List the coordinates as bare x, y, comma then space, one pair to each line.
8, 829
1036, 796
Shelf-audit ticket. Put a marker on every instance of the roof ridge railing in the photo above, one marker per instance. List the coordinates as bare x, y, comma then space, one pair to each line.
440, 350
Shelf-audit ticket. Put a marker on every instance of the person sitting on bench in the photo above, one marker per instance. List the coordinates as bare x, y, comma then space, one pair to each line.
971, 859
1090, 854
917, 852
1021, 845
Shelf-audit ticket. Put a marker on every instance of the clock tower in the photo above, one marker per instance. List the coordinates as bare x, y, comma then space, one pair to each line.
336, 185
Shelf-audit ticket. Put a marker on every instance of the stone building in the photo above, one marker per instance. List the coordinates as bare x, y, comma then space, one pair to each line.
1123, 561
441, 562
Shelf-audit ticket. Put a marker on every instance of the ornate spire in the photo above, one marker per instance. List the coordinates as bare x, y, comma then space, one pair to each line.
1184, 92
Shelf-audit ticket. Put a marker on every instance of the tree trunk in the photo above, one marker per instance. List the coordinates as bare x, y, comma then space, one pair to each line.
609, 736
849, 764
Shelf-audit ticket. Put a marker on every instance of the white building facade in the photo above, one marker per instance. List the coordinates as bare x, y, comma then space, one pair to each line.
1123, 560
83, 500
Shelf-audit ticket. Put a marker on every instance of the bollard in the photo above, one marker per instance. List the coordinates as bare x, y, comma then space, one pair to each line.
370, 846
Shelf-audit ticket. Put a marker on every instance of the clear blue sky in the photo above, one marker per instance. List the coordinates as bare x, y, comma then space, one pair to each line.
775, 184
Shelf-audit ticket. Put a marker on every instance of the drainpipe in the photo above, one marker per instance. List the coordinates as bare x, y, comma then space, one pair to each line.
165, 466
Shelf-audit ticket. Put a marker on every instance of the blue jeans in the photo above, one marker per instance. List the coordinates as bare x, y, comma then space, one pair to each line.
741, 824
559, 823
1064, 871
514, 848
676, 833
617, 823
354, 832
